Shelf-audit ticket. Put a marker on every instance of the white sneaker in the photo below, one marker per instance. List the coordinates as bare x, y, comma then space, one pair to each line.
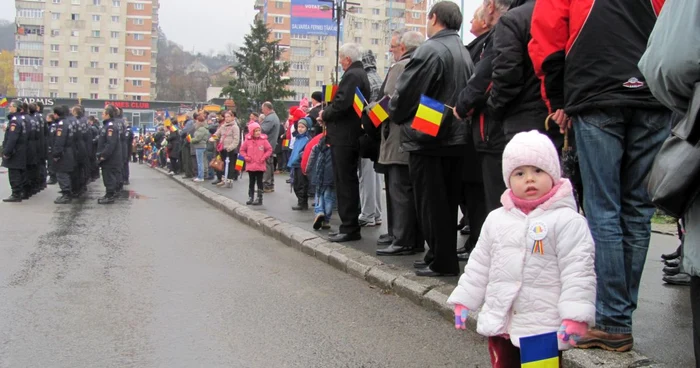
197, 180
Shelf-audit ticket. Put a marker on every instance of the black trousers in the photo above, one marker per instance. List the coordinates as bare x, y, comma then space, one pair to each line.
347, 184
64, 182
232, 157
437, 182
76, 177
31, 178
403, 218
125, 170
16, 178
42, 172
695, 308
140, 157
109, 179
255, 178
476, 208
492, 170
175, 165
301, 187
390, 214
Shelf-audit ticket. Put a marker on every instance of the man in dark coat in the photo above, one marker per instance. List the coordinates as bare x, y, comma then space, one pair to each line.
94, 134
343, 130
109, 155
32, 171
439, 69
14, 151
63, 153
315, 112
38, 115
480, 28
83, 151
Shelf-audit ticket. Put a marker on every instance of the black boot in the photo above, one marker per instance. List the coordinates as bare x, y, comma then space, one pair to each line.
13, 198
107, 199
250, 198
52, 181
258, 201
63, 199
302, 205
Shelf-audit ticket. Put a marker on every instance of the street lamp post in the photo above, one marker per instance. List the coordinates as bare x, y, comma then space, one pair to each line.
340, 8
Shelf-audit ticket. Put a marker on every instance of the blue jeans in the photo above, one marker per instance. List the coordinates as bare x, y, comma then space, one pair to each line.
616, 147
325, 201
199, 152
208, 156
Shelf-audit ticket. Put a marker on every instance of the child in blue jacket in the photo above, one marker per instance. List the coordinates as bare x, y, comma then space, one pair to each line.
320, 169
299, 180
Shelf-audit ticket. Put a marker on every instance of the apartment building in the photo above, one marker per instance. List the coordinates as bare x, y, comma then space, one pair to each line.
86, 49
309, 41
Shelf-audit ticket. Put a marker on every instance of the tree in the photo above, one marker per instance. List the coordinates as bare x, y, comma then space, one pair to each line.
260, 74
7, 74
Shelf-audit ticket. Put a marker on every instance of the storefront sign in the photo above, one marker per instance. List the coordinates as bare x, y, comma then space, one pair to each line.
142, 105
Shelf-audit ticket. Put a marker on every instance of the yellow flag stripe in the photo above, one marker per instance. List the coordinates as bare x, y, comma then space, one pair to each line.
545, 363
380, 112
429, 114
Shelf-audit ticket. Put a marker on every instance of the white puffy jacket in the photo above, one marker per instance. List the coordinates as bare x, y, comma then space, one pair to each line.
524, 292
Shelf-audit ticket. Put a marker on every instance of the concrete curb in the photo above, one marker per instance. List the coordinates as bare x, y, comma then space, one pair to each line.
429, 293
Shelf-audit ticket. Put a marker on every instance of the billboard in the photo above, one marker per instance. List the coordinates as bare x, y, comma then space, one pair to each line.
309, 19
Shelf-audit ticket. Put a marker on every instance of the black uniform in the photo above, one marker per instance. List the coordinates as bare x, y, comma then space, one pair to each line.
14, 153
81, 156
33, 151
50, 134
94, 164
109, 155
127, 141
43, 133
63, 154
120, 127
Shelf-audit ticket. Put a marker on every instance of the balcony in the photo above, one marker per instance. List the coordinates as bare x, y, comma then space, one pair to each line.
259, 5
30, 38
30, 53
30, 21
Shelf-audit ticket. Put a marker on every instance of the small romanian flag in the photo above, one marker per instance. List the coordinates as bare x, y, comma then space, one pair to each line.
329, 92
189, 138
380, 111
429, 116
285, 143
239, 163
3, 101
167, 123
359, 102
539, 351
173, 128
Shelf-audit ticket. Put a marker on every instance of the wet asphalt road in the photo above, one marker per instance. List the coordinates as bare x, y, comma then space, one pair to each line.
164, 280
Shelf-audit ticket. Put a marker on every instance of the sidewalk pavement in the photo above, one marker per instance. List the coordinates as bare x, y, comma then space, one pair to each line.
662, 320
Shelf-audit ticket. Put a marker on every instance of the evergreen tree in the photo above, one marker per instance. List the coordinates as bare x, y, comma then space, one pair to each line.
260, 74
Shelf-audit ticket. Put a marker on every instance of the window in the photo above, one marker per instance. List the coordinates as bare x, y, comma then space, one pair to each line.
72, 95
375, 41
75, 16
113, 81
94, 64
34, 30
54, 48
278, 35
137, 83
53, 94
375, 11
136, 98
301, 51
31, 77
320, 53
375, 26
95, 18
73, 80
113, 66
358, 40
56, 1
279, 4
28, 61
415, 15
138, 21
319, 68
319, 83
72, 64
30, 13
53, 80
114, 50
94, 80
55, 16
300, 37
138, 52
138, 37
73, 48
116, 3
139, 6
279, 20
112, 96
303, 82
74, 33
115, 19
37, 46
94, 96
53, 63
357, 25
95, 33
95, 49
55, 32
114, 34
137, 68
299, 66
96, 2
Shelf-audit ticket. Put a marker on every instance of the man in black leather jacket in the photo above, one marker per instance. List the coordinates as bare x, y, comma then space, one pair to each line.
439, 69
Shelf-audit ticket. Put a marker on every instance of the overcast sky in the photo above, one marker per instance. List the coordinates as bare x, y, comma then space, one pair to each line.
211, 24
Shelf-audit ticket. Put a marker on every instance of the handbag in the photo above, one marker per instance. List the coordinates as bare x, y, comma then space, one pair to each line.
217, 163
220, 145
673, 182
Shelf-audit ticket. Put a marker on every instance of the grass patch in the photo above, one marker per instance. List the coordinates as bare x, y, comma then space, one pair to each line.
662, 218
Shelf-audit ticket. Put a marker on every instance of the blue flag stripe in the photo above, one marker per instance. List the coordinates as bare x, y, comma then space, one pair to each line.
538, 347
433, 104
359, 93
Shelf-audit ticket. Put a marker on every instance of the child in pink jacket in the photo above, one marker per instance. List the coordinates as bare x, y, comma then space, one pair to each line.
255, 150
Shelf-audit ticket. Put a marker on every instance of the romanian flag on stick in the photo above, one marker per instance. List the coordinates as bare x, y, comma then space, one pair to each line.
189, 138
429, 116
239, 162
379, 112
539, 351
329, 92
285, 143
167, 122
359, 102
3, 101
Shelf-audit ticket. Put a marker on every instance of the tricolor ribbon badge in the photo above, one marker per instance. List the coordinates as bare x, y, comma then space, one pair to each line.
538, 232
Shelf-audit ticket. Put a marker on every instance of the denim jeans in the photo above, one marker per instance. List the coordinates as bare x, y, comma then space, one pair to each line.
199, 152
616, 147
208, 156
325, 201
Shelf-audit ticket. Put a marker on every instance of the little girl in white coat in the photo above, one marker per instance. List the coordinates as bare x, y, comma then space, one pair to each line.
533, 266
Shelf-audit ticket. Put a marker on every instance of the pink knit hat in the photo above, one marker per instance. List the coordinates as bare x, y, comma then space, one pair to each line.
531, 149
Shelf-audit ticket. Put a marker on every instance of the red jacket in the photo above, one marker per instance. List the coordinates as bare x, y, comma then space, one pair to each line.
585, 52
307, 151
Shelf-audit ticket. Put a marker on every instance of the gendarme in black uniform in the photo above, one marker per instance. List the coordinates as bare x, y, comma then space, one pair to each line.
109, 156
63, 153
14, 156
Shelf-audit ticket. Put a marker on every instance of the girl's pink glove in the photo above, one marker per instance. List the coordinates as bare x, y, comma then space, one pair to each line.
461, 314
570, 331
